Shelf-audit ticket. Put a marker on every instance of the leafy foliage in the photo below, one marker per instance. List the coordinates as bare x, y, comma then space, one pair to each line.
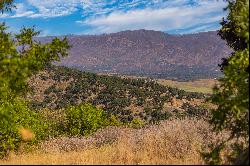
235, 28
84, 119
136, 123
232, 94
20, 57
15, 115
6, 5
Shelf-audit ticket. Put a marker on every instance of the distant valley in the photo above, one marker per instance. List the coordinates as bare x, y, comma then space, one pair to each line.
148, 53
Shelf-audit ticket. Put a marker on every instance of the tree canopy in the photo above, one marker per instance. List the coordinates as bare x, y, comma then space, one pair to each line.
232, 93
6, 5
20, 57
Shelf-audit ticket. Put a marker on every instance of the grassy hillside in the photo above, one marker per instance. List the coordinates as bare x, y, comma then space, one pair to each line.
126, 98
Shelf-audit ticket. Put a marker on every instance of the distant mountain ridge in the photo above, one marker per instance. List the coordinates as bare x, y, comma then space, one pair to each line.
148, 53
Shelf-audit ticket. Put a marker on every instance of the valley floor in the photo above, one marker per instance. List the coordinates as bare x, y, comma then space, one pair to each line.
170, 142
202, 85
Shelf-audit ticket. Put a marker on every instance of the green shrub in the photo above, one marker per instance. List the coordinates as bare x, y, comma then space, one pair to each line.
56, 118
112, 121
84, 119
136, 123
15, 115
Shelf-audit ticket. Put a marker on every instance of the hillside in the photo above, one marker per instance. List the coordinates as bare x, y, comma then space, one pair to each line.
126, 98
148, 53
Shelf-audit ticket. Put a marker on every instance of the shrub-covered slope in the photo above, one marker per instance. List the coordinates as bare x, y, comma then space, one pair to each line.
126, 98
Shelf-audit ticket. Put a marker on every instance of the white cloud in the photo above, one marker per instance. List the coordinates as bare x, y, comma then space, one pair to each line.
45, 32
196, 29
44, 8
102, 7
174, 16
54, 8
22, 11
4, 15
107, 16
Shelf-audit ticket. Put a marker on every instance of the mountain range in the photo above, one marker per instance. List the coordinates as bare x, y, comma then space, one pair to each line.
148, 53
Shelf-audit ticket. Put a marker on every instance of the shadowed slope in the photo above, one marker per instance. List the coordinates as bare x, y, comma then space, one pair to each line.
148, 53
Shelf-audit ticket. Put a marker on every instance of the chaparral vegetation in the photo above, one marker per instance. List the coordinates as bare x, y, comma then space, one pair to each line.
51, 114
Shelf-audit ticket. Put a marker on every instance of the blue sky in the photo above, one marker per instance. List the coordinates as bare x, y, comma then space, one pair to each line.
62, 17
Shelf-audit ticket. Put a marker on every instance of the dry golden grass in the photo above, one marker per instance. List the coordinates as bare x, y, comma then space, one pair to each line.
203, 85
170, 142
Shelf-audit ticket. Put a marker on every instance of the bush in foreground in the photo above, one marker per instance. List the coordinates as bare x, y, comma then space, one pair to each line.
19, 124
84, 119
